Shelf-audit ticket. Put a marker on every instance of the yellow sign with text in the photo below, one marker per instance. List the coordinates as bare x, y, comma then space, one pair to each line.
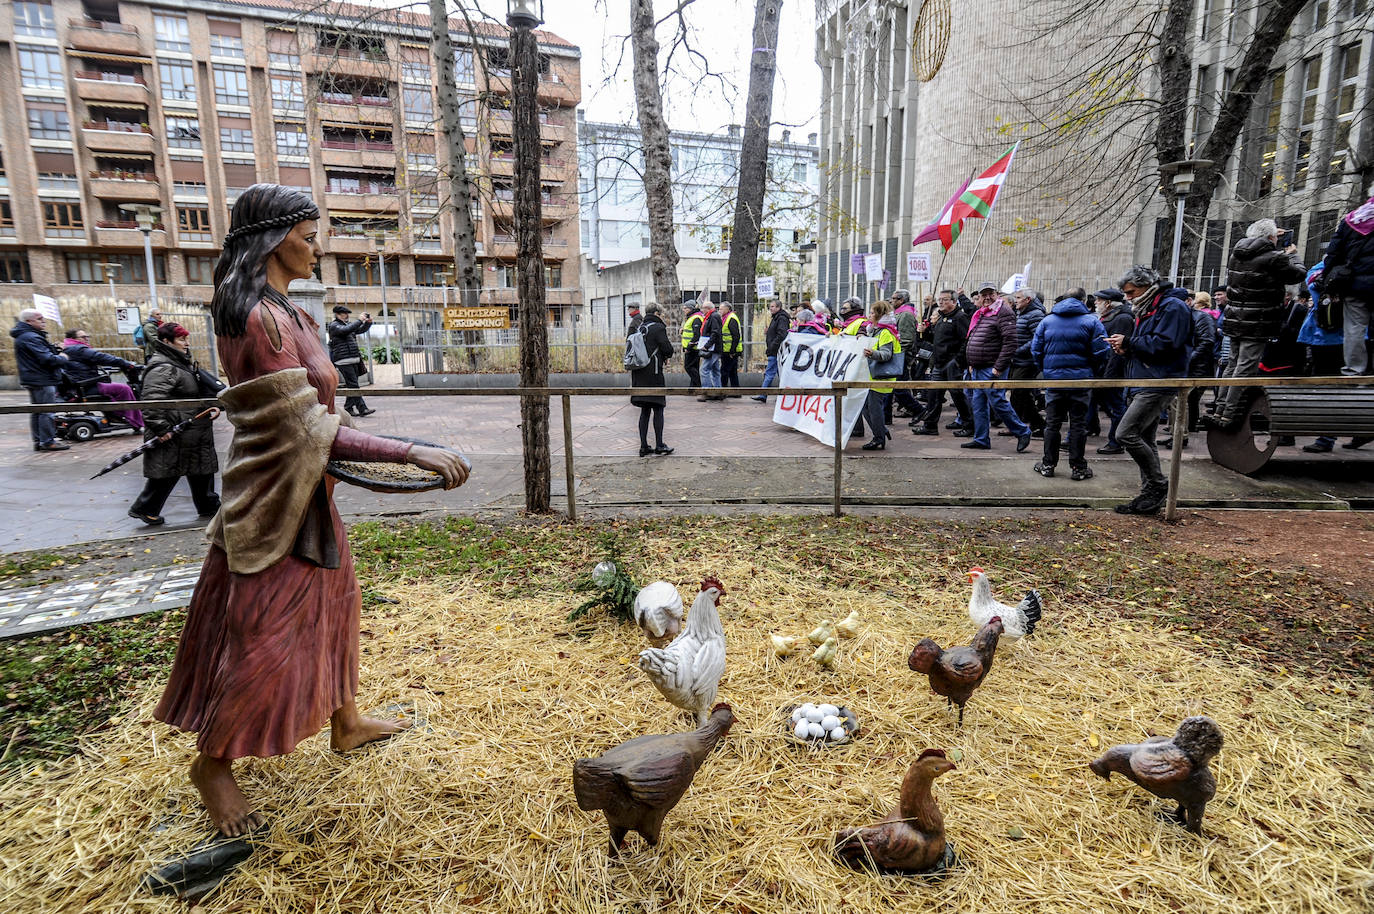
494, 318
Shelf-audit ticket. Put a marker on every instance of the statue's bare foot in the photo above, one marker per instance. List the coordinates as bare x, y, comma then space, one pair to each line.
346, 735
220, 793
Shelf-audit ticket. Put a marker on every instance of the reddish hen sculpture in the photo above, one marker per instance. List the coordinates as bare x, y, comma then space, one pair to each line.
1174, 769
955, 673
638, 782
912, 837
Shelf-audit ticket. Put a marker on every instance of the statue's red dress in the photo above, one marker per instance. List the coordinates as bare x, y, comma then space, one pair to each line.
266, 658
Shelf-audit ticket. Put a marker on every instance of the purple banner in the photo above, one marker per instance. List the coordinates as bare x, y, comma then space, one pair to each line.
856, 263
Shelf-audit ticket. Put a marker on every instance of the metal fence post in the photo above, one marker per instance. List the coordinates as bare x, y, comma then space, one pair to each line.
1180, 424
568, 455
838, 399
214, 350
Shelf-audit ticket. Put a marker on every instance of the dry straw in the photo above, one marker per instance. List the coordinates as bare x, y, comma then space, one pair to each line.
475, 811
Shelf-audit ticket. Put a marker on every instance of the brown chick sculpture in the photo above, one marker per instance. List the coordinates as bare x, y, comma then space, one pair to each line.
912, 837
1173, 769
957, 671
638, 782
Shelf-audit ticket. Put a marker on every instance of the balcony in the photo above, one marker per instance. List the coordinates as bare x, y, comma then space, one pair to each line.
115, 136
554, 91
125, 233
502, 164
358, 152
94, 86
125, 185
349, 62
367, 196
356, 109
557, 207
563, 296
104, 37
343, 241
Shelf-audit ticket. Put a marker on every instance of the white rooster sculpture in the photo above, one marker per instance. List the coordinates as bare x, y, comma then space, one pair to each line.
688, 670
658, 611
1017, 621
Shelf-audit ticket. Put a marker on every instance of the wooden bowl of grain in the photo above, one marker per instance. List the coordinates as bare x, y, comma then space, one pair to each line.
389, 477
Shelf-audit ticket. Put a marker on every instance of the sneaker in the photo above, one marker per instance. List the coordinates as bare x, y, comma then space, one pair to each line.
152, 520
1081, 473
53, 445
1110, 449
976, 445
1315, 448
1023, 442
1043, 470
963, 433
954, 424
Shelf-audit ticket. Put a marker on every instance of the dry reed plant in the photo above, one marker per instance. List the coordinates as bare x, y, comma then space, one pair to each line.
474, 809
97, 315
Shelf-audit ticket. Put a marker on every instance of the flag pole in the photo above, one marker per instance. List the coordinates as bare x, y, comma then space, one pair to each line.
981, 233
944, 252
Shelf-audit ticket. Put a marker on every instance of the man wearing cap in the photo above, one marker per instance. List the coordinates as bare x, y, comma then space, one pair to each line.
1117, 321
691, 335
347, 358
991, 345
635, 320
851, 317
773, 337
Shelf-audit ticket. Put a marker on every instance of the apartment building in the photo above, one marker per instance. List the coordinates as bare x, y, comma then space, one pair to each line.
615, 218
183, 105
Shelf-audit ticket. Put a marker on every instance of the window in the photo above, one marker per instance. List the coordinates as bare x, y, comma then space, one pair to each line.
34, 19
427, 272
173, 33
799, 171
1349, 77
1320, 227
231, 85
1307, 119
193, 223
6, 220
14, 267
1204, 108
1270, 148
292, 141
178, 81
467, 114
415, 73
48, 121
235, 139
200, 269
54, 180
183, 132
282, 50
226, 46
189, 189
129, 268
1319, 9
362, 271
62, 220
287, 93
462, 66
727, 234
1213, 17
39, 68
419, 104
498, 62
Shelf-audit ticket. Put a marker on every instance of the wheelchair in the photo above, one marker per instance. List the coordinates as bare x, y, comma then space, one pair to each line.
83, 424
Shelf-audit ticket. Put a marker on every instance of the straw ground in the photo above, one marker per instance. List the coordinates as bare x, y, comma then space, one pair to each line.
474, 809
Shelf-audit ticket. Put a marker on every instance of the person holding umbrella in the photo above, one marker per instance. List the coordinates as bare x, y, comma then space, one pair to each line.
170, 374
269, 652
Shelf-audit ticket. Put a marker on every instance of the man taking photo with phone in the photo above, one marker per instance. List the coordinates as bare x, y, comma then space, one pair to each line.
347, 357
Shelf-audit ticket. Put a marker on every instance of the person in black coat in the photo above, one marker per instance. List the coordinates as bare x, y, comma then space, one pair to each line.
171, 375
1349, 274
946, 330
779, 325
40, 369
85, 369
347, 357
651, 375
1118, 321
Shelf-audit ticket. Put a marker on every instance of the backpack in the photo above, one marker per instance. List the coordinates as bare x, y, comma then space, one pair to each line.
1331, 313
636, 350
138, 336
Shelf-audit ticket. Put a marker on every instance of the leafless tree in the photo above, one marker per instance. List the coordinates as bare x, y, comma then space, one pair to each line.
658, 163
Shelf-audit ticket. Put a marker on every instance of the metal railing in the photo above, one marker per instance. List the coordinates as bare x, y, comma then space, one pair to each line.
1178, 408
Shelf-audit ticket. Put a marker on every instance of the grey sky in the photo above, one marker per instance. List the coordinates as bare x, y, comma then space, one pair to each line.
721, 31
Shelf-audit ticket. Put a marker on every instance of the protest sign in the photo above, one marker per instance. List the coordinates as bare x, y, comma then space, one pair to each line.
917, 266
764, 286
126, 320
48, 308
811, 360
873, 267
856, 263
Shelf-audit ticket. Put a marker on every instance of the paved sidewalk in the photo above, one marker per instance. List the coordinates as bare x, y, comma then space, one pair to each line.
30, 610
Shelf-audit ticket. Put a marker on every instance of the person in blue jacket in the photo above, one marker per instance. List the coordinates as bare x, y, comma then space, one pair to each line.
40, 370
1160, 347
1070, 344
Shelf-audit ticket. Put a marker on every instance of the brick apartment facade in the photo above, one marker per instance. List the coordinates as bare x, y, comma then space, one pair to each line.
182, 106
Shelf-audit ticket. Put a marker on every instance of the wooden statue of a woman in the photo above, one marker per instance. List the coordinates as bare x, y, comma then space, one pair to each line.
270, 647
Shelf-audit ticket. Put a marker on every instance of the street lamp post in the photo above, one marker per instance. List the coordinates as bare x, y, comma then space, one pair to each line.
1181, 175
146, 217
522, 16
110, 269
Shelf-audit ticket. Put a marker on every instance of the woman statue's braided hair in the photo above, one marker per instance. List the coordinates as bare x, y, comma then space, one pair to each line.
263, 216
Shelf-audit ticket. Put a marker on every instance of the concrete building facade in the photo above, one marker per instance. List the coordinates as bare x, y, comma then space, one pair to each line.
183, 105
910, 110
615, 220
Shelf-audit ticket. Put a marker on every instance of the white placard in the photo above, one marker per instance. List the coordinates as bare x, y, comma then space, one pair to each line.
763, 286
812, 360
918, 266
1015, 283
126, 320
48, 308
873, 267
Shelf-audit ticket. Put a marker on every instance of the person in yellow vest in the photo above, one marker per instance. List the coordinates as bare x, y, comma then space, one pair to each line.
851, 317
885, 360
691, 333
732, 337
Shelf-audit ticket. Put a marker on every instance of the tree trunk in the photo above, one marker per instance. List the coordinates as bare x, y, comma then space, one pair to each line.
753, 157
533, 313
658, 161
1175, 76
465, 272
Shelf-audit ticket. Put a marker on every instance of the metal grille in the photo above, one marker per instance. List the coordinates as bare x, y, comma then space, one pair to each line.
1321, 410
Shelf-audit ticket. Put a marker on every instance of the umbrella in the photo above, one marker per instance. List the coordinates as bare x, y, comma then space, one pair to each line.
148, 445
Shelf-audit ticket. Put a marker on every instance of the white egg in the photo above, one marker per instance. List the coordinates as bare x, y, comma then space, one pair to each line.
797, 715
815, 716
829, 710
802, 730
814, 731
838, 734
809, 706
830, 722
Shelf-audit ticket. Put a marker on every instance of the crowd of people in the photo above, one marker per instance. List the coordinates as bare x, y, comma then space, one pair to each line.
1274, 316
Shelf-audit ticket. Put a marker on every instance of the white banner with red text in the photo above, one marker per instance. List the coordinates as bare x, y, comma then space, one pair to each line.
812, 360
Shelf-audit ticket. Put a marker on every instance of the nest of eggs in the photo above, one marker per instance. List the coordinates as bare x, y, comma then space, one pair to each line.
819, 726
